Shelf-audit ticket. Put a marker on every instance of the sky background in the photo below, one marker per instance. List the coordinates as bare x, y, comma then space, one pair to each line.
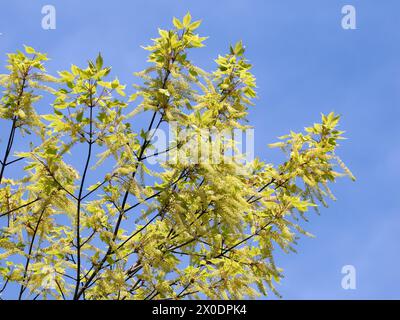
305, 63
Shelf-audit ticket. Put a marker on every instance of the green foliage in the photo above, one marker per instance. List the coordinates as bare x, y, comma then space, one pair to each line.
185, 230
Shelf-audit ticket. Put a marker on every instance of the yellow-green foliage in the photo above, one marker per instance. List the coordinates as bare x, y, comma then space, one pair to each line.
186, 230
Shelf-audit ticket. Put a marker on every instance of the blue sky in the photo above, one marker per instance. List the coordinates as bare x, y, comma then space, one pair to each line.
305, 64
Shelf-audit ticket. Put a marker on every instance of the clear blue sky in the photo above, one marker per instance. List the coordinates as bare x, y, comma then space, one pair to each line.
305, 63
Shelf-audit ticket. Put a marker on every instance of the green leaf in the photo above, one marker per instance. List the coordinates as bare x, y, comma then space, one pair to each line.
239, 48
99, 61
163, 33
91, 65
133, 97
50, 117
75, 70
79, 116
277, 145
164, 92
194, 25
177, 23
186, 20
29, 50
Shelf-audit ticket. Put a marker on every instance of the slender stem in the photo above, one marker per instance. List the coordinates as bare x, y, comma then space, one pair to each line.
20, 207
28, 259
88, 238
16, 160
52, 175
14, 122
95, 189
8, 149
59, 288
78, 213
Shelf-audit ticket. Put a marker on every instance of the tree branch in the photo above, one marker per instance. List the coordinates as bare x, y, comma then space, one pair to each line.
23, 286
80, 198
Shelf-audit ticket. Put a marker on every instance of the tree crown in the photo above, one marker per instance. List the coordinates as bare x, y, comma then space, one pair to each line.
189, 226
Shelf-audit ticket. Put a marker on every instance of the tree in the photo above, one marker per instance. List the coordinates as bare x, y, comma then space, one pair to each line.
183, 229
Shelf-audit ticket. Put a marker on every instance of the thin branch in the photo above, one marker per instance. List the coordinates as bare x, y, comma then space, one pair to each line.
78, 213
59, 288
244, 240
95, 189
14, 161
14, 122
20, 207
23, 286
89, 238
65, 275
160, 152
55, 179
4, 285
8, 149
143, 201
